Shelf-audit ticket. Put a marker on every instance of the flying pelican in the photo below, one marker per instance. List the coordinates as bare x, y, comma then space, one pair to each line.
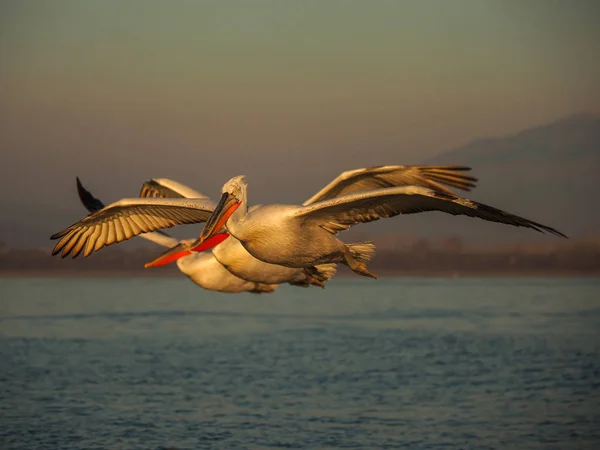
201, 268
299, 236
230, 252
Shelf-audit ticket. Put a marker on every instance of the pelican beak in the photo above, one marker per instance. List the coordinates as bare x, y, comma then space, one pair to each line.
185, 248
173, 254
209, 243
219, 217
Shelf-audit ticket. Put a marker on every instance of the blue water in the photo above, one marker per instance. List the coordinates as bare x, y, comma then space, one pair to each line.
407, 363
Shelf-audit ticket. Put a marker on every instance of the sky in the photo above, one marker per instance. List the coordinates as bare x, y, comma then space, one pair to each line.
288, 93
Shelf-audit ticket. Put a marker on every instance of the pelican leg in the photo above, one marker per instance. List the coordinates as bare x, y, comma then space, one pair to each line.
357, 267
315, 277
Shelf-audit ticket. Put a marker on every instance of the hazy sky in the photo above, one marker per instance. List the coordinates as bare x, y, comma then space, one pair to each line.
289, 93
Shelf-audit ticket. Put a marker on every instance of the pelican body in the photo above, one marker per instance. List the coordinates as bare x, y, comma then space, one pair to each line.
272, 232
235, 258
204, 270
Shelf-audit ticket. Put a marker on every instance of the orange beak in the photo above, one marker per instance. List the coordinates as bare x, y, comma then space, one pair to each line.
210, 243
219, 217
185, 249
173, 254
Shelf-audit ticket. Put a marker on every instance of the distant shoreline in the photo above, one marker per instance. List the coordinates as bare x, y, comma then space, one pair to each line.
381, 274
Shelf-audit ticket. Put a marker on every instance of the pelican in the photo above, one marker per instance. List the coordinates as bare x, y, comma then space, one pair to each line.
300, 235
201, 268
232, 254
151, 216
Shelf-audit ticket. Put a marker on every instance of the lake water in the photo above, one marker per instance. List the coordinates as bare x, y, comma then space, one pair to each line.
393, 363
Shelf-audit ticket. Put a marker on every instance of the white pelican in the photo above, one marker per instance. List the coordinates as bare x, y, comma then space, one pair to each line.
201, 268
300, 236
231, 253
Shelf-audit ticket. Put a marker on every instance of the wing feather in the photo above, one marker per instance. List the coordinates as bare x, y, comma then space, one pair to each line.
111, 234
126, 227
119, 231
65, 239
89, 246
341, 213
153, 222
433, 177
135, 229
71, 243
131, 217
101, 237
81, 241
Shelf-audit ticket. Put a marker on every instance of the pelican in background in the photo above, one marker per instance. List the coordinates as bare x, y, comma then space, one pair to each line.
201, 268
299, 236
230, 252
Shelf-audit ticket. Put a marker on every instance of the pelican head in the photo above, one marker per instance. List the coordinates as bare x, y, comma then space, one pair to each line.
234, 194
235, 186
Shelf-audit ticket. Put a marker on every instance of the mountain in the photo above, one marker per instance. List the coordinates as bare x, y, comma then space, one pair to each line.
549, 174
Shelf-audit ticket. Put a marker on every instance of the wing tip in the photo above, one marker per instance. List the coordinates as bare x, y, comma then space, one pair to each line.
555, 232
58, 235
515, 220
80, 189
454, 168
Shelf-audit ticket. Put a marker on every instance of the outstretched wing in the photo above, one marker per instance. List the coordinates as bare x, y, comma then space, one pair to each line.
166, 188
341, 213
127, 218
433, 177
93, 204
